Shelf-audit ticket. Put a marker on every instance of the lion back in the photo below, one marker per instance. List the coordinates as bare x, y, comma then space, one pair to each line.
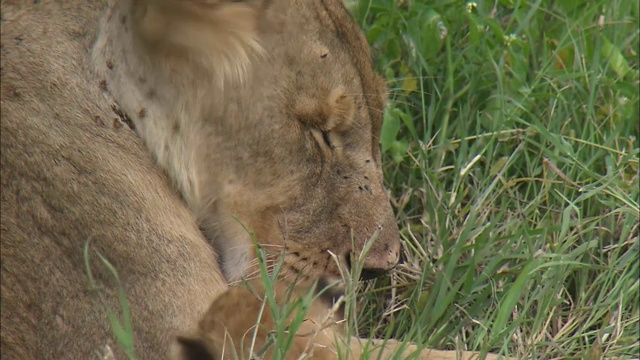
72, 173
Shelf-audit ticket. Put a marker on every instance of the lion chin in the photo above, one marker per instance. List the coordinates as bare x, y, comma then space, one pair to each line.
164, 137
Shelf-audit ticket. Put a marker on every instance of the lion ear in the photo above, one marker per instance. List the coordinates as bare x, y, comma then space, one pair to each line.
333, 113
223, 33
341, 110
330, 291
192, 348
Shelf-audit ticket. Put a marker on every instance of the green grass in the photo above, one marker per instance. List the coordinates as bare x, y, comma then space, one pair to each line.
511, 150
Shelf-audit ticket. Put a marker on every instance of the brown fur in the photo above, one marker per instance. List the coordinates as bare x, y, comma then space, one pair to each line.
271, 129
227, 329
70, 176
263, 114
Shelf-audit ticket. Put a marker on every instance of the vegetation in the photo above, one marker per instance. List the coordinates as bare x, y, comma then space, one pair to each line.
511, 150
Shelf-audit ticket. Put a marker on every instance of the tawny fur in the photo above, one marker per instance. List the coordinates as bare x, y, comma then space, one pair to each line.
227, 329
283, 145
263, 114
72, 173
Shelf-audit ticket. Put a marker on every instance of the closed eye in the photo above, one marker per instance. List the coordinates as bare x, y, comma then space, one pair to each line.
327, 139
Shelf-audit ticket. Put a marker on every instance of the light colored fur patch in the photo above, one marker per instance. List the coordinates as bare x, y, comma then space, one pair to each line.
221, 34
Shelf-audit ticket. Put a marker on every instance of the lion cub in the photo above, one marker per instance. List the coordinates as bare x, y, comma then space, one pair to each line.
240, 325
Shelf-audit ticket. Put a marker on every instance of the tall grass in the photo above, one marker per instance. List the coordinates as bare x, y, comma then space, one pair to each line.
511, 150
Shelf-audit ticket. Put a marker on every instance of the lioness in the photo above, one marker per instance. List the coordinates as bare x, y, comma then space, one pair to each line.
263, 114
266, 115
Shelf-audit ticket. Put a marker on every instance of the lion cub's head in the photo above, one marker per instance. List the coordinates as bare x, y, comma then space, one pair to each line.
314, 321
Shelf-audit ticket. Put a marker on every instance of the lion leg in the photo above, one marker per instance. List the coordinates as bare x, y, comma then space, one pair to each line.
380, 349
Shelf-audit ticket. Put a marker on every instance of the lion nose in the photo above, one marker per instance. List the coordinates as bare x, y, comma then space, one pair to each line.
375, 266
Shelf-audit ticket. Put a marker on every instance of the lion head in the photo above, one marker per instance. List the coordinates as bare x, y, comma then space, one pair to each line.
266, 115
